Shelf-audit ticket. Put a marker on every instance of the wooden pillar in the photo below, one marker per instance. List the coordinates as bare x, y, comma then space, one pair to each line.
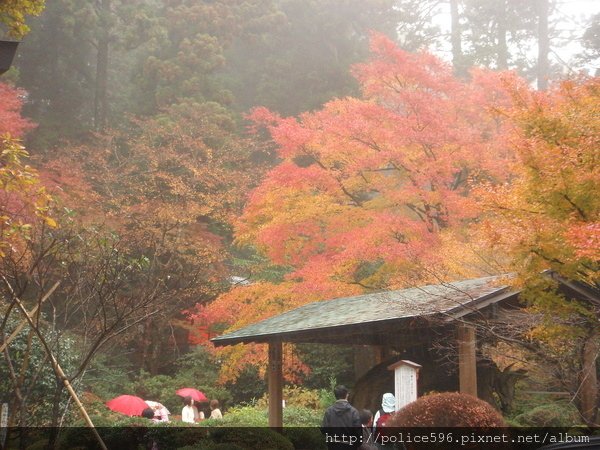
467, 364
275, 380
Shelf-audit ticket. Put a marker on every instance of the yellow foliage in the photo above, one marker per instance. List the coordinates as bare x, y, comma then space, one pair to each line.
13, 13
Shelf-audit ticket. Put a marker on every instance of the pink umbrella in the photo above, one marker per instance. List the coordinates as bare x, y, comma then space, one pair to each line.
197, 395
127, 404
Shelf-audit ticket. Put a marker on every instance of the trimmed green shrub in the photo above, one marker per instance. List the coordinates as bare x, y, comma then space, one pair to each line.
251, 438
171, 438
243, 416
212, 446
38, 445
305, 438
254, 416
115, 437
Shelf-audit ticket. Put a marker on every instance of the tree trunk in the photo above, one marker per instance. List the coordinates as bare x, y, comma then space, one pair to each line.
588, 392
53, 430
144, 344
455, 37
156, 342
501, 44
102, 58
543, 45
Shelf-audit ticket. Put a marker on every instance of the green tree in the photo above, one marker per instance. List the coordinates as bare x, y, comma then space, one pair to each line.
185, 59
304, 61
72, 64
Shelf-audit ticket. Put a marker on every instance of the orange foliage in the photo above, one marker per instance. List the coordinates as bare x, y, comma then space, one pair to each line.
449, 409
548, 217
174, 180
11, 121
373, 192
23, 200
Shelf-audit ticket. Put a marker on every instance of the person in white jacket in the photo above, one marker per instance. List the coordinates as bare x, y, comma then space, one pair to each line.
189, 413
161, 413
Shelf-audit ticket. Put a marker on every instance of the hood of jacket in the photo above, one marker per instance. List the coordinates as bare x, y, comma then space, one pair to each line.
341, 407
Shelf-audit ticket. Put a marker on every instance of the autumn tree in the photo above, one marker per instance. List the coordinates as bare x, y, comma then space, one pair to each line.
78, 283
174, 181
547, 218
11, 104
22, 198
14, 12
373, 192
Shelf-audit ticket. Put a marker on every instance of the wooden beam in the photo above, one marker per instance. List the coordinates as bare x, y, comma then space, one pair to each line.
467, 364
275, 380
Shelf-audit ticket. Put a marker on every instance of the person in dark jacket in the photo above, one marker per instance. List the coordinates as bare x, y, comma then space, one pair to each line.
341, 423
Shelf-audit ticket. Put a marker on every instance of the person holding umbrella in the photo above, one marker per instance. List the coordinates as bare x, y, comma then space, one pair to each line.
195, 396
189, 413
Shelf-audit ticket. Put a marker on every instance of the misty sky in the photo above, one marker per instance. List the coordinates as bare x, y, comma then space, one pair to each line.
571, 18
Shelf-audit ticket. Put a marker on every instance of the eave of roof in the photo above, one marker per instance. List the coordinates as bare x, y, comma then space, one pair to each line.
449, 300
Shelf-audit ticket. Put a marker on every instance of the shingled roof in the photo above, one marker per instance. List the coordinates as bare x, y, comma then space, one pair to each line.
304, 324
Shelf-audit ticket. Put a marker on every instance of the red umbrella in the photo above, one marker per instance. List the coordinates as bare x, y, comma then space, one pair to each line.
127, 404
197, 395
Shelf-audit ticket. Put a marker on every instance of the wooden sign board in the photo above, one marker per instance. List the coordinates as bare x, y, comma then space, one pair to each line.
406, 374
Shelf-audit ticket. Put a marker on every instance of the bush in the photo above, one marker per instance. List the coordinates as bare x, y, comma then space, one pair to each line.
305, 438
113, 437
196, 369
296, 396
171, 437
549, 415
243, 416
249, 386
448, 409
302, 417
108, 375
38, 445
212, 446
251, 438
255, 416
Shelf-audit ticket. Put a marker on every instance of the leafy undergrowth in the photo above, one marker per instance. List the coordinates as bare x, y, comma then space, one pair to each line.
256, 416
543, 410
